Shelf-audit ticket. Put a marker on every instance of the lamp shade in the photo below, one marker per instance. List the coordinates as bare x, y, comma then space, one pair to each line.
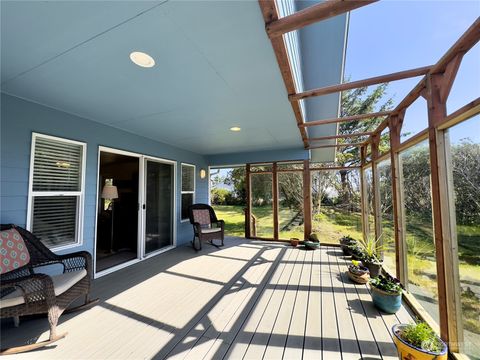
109, 192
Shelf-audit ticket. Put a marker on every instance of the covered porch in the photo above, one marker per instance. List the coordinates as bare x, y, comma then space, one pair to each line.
250, 299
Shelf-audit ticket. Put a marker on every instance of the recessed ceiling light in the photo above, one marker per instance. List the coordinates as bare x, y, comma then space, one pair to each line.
142, 59
235, 128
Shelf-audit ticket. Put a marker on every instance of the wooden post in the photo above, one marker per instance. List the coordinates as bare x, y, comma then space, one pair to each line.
436, 95
395, 126
275, 200
375, 187
248, 212
307, 199
364, 194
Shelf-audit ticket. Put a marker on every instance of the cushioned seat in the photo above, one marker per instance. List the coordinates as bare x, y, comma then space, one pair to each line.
209, 231
61, 283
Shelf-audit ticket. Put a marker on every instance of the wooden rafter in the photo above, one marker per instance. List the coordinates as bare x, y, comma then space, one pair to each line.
346, 118
270, 14
361, 83
341, 136
313, 14
334, 145
468, 40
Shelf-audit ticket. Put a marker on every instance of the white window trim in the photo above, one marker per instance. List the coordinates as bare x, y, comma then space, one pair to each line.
80, 194
187, 192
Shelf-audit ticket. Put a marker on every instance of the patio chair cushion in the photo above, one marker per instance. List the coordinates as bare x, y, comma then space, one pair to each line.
201, 216
61, 283
13, 251
211, 230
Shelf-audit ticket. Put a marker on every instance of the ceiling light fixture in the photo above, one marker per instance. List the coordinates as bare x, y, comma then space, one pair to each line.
235, 128
142, 59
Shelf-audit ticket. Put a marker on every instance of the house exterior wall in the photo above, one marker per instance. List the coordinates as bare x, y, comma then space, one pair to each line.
19, 118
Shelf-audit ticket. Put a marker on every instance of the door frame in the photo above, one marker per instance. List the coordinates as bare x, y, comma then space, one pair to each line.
145, 158
141, 197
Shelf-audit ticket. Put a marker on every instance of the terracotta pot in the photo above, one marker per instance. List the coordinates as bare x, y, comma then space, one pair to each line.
294, 242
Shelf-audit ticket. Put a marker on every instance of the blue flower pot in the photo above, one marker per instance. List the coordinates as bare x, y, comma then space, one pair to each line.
387, 302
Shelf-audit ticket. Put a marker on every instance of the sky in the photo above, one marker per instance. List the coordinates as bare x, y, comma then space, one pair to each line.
390, 36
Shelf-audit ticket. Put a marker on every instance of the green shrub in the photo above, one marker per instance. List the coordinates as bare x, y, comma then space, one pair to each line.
422, 336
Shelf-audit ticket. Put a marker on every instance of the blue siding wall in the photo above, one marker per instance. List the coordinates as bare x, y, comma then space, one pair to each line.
19, 118
258, 156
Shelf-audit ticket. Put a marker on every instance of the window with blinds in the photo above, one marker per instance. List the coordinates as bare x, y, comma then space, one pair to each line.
188, 189
56, 190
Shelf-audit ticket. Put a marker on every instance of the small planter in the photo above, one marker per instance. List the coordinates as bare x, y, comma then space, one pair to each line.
375, 268
356, 256
386, 301
358, 274
408, 351
294, 242
311, 245
346, 250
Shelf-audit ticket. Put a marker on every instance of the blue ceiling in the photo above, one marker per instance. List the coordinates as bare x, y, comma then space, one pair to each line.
215, 68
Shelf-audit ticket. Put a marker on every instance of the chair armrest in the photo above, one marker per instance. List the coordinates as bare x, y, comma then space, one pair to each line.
34, 288
221, 223
197, 227
77, 261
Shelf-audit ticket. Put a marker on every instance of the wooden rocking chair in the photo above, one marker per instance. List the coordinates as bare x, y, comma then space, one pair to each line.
206, 226
25, 292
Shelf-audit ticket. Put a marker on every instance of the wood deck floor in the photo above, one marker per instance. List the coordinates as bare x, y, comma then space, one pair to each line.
249, 300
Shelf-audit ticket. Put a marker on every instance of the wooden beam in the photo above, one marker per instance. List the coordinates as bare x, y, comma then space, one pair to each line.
363, 195
346, 118
361, 83
270, 14
461, 46
395, 126
341, 136
376, 188
334, 145
334, 168
307, 200
275, 200
465, 112
248, 211
313, 14
437, 111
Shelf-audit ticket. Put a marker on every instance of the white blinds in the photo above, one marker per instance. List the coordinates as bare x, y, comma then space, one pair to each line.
188, 178
57, 165
55, 219
56, 195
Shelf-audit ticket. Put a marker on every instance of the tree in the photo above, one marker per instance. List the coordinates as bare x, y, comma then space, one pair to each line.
356, 102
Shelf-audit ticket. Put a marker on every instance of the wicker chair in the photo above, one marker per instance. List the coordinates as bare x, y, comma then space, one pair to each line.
206, 226
24, 292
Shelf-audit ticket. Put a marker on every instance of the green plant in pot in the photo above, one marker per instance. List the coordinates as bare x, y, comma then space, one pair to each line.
418, 341
386, 293
371, 247
345, 241
356, 251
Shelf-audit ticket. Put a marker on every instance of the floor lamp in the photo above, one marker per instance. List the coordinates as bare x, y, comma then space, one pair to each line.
110, 192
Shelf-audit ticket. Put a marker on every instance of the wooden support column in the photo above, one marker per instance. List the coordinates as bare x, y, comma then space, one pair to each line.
436, 94
275, 200
248, 211
364, 194
395, 126
307, 199
375, 186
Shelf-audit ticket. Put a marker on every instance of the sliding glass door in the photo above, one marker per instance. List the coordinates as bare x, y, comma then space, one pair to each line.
159, 205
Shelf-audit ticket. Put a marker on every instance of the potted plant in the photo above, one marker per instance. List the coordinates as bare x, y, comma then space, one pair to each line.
294, 242
418, 341
314, 237
386, 293
371, 247
345, 241
356, 251
358, 273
